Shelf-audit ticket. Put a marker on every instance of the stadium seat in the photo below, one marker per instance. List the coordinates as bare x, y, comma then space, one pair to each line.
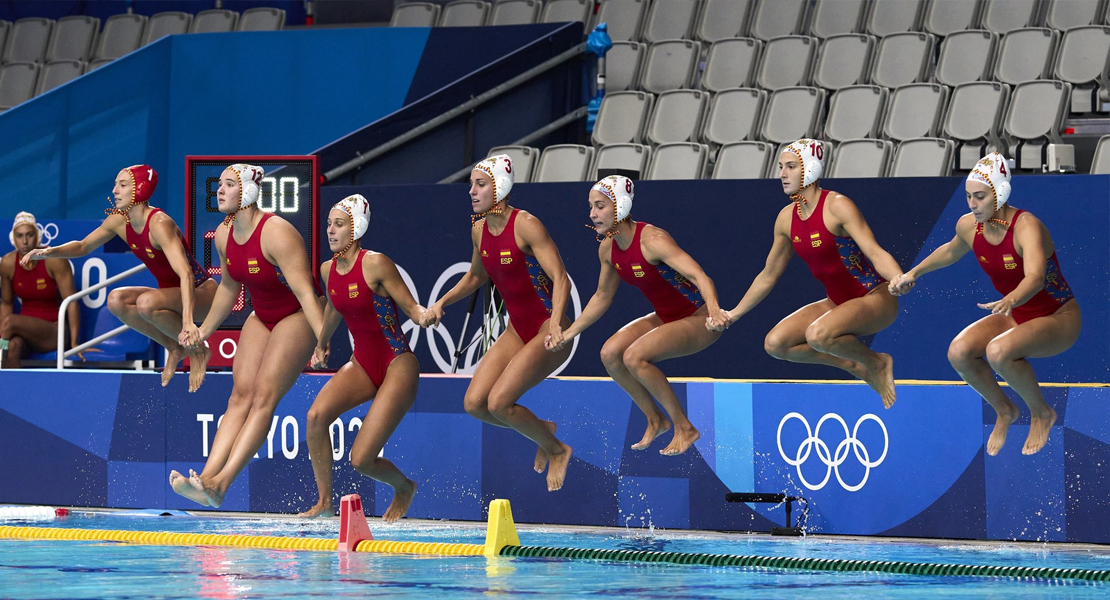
678, 161
261, 19
214, 21
1035, 118
779, 18
628, 157
787, 62
121, 34
861, 158
945, 17
915, 111
525, 159
131, 348
677, 116
1026, 55
723, 19
166, 23
1081, 62
58, 72
670, 65
1100, 165
734, 116
966, 56
17, 83
27, 40
903, 58
844, 60
923, 157
565, 11
1065, 14
670, 20
622, 118
837, 18
731, 63
974, 120
856, 112
564, 162
623, 64
624, 18
744, 160
515, 12
792, 113
415, 14
894, 16
1003, 16
5, 29
464, 13
72, 38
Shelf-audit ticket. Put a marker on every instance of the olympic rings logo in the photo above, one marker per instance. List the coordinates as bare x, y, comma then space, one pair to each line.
833, 460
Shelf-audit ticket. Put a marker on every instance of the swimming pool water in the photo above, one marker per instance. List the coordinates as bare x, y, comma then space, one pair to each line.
64, 569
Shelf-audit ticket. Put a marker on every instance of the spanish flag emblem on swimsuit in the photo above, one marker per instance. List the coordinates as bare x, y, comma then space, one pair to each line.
637, 270
815, 239
252, 265
1008, 262
352, 290
150, 252
506, 257
40, 284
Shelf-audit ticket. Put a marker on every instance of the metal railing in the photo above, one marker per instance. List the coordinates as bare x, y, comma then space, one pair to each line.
81, 294
459, 110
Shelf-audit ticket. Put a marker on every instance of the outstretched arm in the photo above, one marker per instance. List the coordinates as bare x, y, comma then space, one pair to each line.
851, 219
607, 283
77, 249
471, 281
777, 259
943, 256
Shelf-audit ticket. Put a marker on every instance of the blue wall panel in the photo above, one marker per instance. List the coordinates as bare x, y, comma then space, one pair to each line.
928, 475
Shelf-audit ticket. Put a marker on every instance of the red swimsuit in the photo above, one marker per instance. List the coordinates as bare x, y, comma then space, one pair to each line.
837, 262
1006, 269
270, 295
519, 278
373, 320
671, 295
37, 291
156, 261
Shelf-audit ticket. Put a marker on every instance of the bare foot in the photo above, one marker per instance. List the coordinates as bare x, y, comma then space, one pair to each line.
541, 455
1001, 427
1039, 428
882, 380
181, 486
319, 510
174, 357
651, 433
215, 497
198, 362
557, 470
402, 499
681, 442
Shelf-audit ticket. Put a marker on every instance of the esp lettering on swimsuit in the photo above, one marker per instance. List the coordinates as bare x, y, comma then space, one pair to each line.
252, 266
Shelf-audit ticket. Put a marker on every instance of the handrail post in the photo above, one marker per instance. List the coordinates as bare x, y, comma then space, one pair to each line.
62, 353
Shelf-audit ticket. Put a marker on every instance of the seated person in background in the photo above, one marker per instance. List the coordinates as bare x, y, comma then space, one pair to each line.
40, 289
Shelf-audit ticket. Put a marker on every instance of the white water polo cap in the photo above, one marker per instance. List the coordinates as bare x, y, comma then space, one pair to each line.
358, 209
23, 218
499, 168
994, 170
812, 155
620, 190
250, 183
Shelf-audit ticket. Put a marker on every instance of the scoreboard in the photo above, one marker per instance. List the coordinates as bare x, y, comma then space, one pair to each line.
290, 189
